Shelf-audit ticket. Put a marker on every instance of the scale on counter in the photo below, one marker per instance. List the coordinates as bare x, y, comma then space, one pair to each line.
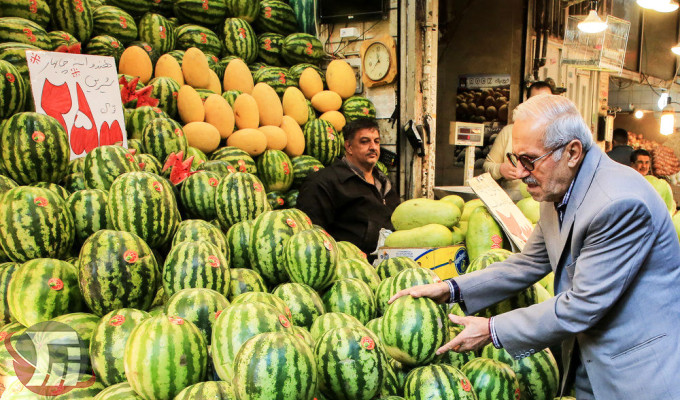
470, 135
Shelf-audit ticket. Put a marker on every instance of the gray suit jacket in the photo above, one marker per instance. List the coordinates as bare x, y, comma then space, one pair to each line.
616, 260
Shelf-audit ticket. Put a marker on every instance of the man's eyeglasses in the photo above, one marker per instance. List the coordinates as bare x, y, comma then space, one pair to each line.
527, 162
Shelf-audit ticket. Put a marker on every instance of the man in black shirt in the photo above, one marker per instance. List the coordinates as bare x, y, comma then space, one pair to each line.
351, 198
620, 151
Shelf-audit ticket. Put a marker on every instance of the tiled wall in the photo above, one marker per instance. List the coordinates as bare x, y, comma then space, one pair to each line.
641, 96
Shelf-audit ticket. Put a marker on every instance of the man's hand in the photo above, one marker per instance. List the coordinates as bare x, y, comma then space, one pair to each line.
508, 171
475, 335
439, 292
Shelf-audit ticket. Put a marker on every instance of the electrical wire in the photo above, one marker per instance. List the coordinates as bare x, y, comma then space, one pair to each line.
355, 40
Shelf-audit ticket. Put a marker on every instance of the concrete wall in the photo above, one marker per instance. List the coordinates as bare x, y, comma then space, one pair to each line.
478, 37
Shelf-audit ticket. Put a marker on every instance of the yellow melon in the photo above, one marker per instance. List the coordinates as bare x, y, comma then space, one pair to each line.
252, 141
136, 62
195, 68
237, 76
295, 105
310, 82
190, 105
219, 114
246, 113
326, 100
335, 118
215, 85
168, 66
295, 144
268, 104
276, 137
340, 78
202, 136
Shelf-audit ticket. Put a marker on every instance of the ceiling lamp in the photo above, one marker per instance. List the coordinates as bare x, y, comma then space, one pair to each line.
638, 114
663, 100
667, 125
592, 23
663, 6
676, 49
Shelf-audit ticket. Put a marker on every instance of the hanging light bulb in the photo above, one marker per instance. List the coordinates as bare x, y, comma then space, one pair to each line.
663, 6
663, 100
667, 125
638, 114
676, 49
592, 23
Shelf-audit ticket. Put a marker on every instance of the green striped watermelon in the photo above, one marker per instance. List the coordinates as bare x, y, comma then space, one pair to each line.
140, 118
304, 303
394, 265
34, 223
197, 264
350, 364
90, 212
484, 260
413, 277
75, 182
198, 155
276, 200
276, 77
240, 39
383, 293
322, 141
164, 355
37, 11
163, 136
135, 144
149, 163
60, 190
12, 90
104, 164
74, 17
6, 360
374, 325
113, 21
117, 270
238, 240
42, 289
439, 382
165, 89
248, 10
235, 326
191, 230
144, 204
230, 96
413, 329
189, 35
21, 30
76, 165
15, 54
304, 334
244, 281
348, 250
311, 258
238, 158
119, 391
240, 196
525, 298
61, 38
275, 170
83, 392
265, 298
305, 14
134, 7
218, 167
303, 166
7, 270
492, 379
104, 45
197, 195
164, 7
267, 360
351, 296
296, 70
35, 148
256, 66
302, 48
291, 197
331, 320
276, 16
178, 55
156, 30
310, 111
207, 391
451, 357
204, 12
108, 343
83, 323
357, 107
359, 269
200, 306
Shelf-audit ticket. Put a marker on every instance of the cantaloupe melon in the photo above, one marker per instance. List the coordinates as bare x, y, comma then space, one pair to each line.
168, 66
340, 78
237, 76
195, 68
218, 113
310, 82
252, 141
295, 105
190, 105
326, 100
246, 113
295, 144
215, 85
335, 118
276, 137
202, 136
136, 62
268, 104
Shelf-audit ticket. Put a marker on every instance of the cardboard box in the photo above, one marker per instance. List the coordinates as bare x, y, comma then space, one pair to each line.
447, 262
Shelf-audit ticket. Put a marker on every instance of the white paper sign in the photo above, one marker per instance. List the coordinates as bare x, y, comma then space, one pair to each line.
516, 226
82, 93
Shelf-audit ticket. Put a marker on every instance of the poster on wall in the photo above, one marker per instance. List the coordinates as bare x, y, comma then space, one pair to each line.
82, 93
484, 99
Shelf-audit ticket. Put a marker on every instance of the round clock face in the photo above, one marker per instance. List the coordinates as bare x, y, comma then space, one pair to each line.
376, 61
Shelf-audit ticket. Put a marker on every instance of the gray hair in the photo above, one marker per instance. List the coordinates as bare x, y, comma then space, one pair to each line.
560, 118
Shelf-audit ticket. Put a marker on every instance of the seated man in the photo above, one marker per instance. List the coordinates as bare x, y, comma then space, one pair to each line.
641, 161
620, 152
351, 198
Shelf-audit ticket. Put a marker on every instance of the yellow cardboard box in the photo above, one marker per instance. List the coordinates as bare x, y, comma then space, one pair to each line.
447, 262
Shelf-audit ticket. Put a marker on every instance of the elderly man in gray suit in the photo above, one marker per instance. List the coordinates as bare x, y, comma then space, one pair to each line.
608, 237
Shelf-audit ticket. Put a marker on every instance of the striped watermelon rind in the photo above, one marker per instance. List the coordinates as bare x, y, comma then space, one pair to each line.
492, 379
240, 39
